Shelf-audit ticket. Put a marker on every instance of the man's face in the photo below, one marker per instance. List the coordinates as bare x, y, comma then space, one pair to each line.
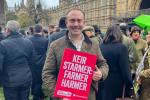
135, 34
75, 22
51, 29
148, 39
54, 30
88, 33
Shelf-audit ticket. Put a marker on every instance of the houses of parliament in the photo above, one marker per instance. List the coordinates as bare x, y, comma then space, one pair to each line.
99, 12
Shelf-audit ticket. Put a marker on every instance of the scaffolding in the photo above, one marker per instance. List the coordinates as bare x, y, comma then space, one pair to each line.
128, 17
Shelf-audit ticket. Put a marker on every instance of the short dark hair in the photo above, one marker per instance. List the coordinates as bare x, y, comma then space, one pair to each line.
57, 29
0, 28
113, 34
96, 28
51, 26
62, 23
31, 28
37, 28
22, 32
76, 9
124, 27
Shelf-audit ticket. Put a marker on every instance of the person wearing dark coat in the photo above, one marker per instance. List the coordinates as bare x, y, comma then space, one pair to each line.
61, 33
116, 56
2, 37
16, 57
51, 29
40, 46
101, 34
45, 32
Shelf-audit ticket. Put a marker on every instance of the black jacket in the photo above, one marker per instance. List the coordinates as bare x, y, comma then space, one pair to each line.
117, 59
56, 36
40, 46
16, 55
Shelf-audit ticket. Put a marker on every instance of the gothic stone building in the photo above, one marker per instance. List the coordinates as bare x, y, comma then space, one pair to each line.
21, 8
102, 12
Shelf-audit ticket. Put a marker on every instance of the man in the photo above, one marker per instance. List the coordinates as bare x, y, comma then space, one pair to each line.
4, 31
132, 52
90, 32
97, 34
16, 56
40, 46
61, 33
51, 29
45, 32
144, 76
2, 37
76, 40
56, 30
101, 34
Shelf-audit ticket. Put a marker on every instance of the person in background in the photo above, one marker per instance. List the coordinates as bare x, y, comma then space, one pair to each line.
144, 78
40, 46
2, 37
129, 43
51, 29
101, 34
97, 33
56, 30
45, 32
22, 33
31, 31
116, 55
17, 56
90, 32
141, 46
4, 31
61, 33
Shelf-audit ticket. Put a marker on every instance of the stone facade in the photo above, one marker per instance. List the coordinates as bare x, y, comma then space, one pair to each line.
99, 12
2, 14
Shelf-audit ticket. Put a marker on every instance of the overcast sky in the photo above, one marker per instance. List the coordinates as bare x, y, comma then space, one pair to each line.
48, 3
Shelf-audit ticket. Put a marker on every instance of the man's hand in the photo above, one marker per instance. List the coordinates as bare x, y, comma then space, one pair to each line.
146, 48
139, 80
97, 74
65, 99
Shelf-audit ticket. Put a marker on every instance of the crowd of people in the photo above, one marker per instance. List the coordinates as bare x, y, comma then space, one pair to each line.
31, 58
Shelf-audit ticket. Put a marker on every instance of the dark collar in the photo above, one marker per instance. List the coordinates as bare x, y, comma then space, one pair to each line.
37, 35
14, 35
86, 39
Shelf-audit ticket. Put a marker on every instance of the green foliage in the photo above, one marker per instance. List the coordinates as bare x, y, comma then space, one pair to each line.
25, 21
11, 16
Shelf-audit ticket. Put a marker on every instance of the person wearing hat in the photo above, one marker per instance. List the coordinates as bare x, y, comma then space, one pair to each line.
90, 32
45, 32
144, 77
141, 46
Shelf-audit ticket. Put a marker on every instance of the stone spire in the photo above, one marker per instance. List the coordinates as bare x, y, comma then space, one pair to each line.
15, 8
18, 4
30, 3
23, 2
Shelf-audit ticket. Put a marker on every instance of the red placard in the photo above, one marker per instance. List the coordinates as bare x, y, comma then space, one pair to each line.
75, 75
